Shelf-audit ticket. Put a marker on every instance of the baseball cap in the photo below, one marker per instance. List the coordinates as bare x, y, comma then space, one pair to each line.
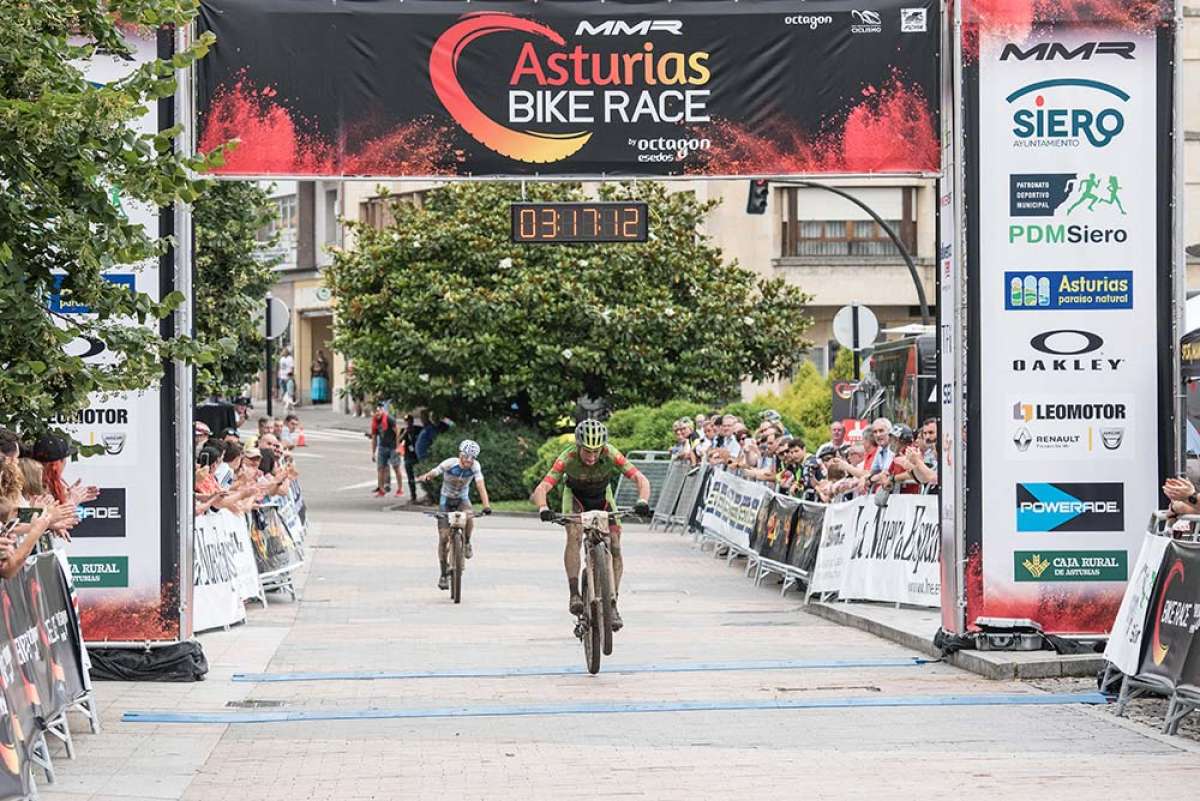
230, 432
252, 453
201, 428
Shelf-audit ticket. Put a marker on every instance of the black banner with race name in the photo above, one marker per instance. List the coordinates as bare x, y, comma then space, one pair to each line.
442, 87
274, 547
777, 528
41, 664
806, 536
1170, 647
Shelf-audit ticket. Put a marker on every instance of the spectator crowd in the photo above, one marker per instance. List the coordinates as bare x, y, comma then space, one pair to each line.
889, 458
236, 475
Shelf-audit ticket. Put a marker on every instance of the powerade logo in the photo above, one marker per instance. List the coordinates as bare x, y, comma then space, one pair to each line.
103, 517
1044, 117
1070, 507
1055, 290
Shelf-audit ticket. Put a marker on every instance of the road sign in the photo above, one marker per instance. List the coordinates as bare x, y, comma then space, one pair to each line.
855, 327
280, 317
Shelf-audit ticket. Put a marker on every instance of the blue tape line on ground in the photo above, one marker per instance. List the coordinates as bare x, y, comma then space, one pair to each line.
287, 716
571, 670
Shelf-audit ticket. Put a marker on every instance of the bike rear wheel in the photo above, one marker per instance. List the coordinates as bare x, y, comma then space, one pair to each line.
601, 564
456, 571
592, 645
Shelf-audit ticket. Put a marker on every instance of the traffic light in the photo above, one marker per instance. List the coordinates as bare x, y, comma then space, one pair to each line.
756, 203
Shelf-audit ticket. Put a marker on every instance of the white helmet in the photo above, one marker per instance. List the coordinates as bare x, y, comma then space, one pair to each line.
468, 447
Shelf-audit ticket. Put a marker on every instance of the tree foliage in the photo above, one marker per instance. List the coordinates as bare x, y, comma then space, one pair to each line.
441, 309
67, 148
230, 284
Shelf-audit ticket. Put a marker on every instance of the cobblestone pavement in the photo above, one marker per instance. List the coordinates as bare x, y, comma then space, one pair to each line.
368, 603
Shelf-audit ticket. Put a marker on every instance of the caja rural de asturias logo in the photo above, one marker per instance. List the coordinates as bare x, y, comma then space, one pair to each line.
560, 87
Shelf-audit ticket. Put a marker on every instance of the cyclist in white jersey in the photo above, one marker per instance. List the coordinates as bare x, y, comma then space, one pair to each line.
457, 475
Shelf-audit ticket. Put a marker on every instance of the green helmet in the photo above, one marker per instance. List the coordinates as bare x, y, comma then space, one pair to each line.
591, 434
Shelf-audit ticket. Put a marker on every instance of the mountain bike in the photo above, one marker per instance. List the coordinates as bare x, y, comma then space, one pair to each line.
457, 556
593, 626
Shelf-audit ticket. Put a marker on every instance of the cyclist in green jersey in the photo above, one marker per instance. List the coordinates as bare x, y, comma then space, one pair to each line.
586, 470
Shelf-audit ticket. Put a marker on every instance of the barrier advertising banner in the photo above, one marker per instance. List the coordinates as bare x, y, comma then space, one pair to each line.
1124, 646
889, 553
274, 548
40, 664
1171, 648
1069, 216
806, 536
447, 88
777, 528
241, 551
126, 594
732, 506
216, 600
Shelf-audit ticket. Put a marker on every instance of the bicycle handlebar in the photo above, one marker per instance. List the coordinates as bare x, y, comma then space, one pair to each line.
614, 515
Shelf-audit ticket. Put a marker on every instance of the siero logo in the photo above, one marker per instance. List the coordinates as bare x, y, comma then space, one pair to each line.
1046, 195
810, 21
619, 27
1068, 289
1057, 51
1067, 351
103, 517
1070, 507
1046, 116
866, 22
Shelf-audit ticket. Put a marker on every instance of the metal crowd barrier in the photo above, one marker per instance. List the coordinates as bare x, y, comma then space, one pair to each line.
668, 496
654, 466
689, 497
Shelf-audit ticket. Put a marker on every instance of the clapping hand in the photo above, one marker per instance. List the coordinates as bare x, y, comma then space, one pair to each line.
1178, 489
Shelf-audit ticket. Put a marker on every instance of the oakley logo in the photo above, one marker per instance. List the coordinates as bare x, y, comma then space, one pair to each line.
1067, 342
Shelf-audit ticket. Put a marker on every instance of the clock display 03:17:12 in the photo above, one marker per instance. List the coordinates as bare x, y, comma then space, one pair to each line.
579, 222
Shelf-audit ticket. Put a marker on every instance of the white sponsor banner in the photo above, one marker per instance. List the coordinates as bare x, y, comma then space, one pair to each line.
1067, 317
246, 570
120, 538
895, 553
1124, 647
836, 538
732, 506
215, 597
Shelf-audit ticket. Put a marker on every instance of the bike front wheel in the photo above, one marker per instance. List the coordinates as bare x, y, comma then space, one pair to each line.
456, 571
592, 641
603, 569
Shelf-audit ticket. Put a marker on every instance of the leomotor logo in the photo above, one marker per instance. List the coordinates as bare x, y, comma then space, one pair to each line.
560, 85
1070, 507
1047, 114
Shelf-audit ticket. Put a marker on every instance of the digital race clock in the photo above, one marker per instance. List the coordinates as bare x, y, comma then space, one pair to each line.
557, 223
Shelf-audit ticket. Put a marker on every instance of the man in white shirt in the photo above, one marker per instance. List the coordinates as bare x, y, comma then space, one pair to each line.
286, 365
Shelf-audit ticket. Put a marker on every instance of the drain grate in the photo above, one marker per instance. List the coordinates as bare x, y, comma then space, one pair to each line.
254, 703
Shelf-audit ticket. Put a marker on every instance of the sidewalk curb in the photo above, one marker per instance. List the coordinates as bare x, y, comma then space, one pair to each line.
998, 665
